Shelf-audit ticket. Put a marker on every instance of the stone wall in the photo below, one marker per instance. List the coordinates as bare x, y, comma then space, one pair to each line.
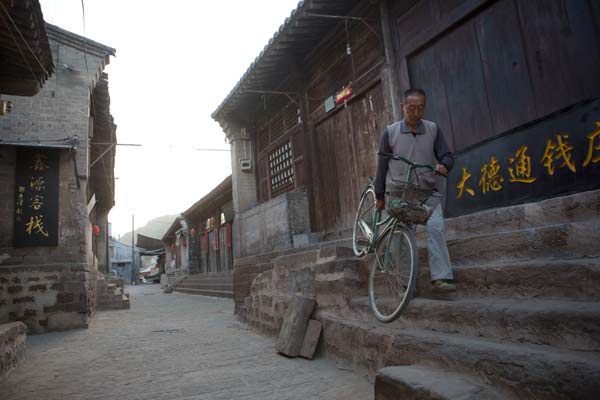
263, 285
48, 297
271, 226
12, 346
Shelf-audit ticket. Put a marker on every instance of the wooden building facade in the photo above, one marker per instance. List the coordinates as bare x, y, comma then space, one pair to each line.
308, 114
210, 223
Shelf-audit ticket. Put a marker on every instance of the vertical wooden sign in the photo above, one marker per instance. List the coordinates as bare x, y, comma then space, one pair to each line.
36, 197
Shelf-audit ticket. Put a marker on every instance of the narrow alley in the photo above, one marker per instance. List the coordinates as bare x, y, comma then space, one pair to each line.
173, 346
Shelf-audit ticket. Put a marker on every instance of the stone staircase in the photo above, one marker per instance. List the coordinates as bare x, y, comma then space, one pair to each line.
111, 294
209, 284
524, 323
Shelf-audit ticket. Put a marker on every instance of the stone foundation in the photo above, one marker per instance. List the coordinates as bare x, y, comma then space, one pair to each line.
48, 297
331, 275
12, 346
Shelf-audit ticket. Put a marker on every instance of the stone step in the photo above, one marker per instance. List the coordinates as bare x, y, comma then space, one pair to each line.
210, 275
584, 206
525, 370
208, 281
117, 304
567, 240
573, 279
569, 325
419, 382
226, 287
205, 292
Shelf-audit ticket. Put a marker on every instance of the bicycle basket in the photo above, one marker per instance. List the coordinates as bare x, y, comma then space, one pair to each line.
406, 203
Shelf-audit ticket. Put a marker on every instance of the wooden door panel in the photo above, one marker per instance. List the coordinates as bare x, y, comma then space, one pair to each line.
562, 51
465, 87
504, 66
426, 73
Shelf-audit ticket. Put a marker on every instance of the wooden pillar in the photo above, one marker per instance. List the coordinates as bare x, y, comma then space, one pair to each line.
308, 135
392, 92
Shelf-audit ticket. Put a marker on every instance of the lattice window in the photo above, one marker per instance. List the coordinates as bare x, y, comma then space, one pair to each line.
291, 115
276, 124
281, 167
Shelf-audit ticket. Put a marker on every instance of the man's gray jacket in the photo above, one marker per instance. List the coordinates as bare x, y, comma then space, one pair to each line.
426, 145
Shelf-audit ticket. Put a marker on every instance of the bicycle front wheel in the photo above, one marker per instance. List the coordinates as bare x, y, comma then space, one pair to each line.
393, 273
362, 232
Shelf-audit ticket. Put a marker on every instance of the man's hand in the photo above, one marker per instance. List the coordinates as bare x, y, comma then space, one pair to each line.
380, 204
441, 169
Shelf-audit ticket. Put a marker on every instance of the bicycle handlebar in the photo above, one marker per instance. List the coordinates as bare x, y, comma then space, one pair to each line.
412, 164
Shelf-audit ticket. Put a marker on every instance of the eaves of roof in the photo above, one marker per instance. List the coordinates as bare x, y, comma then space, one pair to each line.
223, 189
175, 226
295, 38
24, 48
79, 42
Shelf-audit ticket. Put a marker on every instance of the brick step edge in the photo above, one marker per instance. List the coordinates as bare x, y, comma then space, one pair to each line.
567, 325
209, 293
527, 371
571, 279
418, 382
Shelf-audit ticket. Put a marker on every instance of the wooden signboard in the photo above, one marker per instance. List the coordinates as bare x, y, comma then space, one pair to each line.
36, 197
554, 156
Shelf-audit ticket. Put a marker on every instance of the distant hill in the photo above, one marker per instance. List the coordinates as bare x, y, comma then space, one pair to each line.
155, 228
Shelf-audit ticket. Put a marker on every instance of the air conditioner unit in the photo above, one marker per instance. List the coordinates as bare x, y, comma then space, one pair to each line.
246, 165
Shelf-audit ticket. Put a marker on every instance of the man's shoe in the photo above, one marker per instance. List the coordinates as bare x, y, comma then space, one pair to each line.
441, 286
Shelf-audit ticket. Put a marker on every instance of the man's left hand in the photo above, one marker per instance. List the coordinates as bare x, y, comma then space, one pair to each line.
441, 169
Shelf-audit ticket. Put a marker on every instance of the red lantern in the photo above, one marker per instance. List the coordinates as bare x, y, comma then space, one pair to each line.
96, 230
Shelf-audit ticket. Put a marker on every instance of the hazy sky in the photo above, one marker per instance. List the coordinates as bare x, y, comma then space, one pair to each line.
176, 61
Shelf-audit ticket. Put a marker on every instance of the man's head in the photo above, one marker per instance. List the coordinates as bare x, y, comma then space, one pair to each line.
413, 106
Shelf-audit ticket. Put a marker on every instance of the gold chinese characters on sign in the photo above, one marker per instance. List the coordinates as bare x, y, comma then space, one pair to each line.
34, 224
558, 154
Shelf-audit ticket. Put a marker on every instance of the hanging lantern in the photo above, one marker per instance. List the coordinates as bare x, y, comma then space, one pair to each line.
96, 230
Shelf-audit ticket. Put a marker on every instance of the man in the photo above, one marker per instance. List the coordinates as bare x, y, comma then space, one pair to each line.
422, 142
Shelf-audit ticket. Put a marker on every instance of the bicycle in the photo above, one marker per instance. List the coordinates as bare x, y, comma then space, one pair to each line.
393, 274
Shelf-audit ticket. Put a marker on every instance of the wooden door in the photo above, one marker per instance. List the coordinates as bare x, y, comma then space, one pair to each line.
346, 149
503, 66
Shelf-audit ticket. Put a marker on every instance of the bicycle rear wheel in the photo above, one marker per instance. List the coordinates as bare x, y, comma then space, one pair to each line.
362, 234
393, 273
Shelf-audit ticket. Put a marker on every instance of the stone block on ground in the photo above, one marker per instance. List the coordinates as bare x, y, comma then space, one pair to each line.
294, 325
311, 338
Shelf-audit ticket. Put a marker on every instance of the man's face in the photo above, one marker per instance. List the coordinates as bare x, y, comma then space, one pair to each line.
413, 108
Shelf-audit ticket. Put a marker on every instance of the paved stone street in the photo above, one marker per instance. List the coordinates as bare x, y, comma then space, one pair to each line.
173, 346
